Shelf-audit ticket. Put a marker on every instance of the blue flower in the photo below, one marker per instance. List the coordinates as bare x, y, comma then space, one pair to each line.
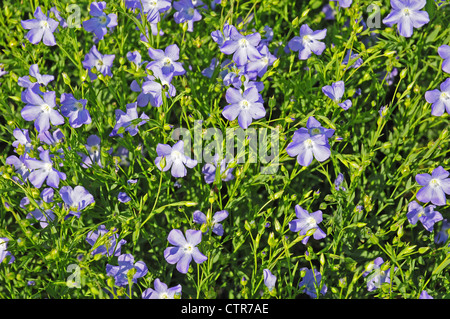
442, 235
209, 170
42, 215
166, 60
41, 28
186, 12
310, 141
439, 99
126, 263
75, 110
306, 224
76, 199
41, 110
335, 92
184, 249
407, 15
42, 79
246, 106
110, 247
20, 166
444, 53
217, 228
100, 21
101, 62
22, 138
310, 281
269, 279
243, 48
174, 159
94, 154
260, 65
129, 121
308, 42
123, 197
161, 291
435, 186
426, 215
377, 275
4, 252
43, 170
50, 138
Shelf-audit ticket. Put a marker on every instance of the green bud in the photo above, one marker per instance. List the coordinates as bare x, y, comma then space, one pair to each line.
66, 78
277, 225
403, 73
272, 241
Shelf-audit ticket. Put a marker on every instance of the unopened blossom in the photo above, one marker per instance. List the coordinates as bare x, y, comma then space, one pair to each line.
269, 279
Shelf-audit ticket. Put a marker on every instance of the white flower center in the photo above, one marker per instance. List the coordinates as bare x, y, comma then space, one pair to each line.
99, 63
191, 11
188, 248
45, 107
77, 106
311, 222
44, 24
48, 167
2, 245
315, 131
164, 295
243, 43
406, 12
265, 60
176, 155
307, 38
309, 143
245, 105
102, 19
445, 96
435, 183
167, 62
